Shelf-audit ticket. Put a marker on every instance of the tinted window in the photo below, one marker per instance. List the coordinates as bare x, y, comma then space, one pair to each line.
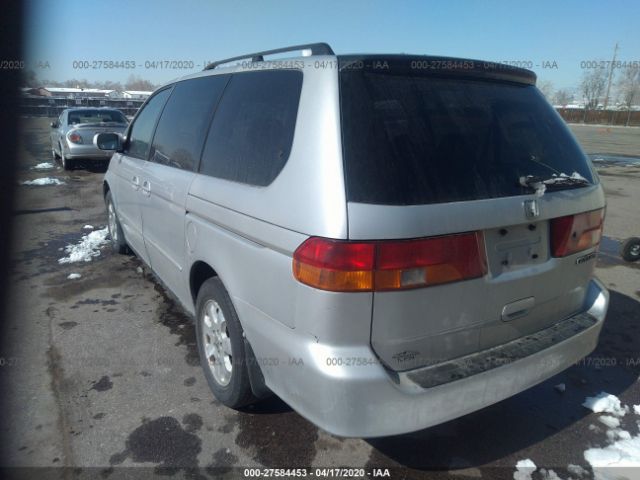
417, 139
184, 121
144, 124
252, 131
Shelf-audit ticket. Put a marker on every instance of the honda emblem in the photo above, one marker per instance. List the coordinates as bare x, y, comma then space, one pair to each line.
531, 209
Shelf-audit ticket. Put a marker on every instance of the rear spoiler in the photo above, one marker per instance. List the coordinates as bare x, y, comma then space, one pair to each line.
437, 66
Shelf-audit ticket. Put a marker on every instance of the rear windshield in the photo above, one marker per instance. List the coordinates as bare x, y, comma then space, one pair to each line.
413, 139
96, 116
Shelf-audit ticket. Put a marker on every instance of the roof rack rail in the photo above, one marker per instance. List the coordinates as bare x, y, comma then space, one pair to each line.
316, 49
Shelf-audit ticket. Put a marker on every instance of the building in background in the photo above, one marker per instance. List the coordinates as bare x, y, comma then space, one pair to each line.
72, 93
136, 94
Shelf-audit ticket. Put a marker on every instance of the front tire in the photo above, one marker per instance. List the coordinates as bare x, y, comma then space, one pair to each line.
630, 250
54, 155
221, 345
118, 243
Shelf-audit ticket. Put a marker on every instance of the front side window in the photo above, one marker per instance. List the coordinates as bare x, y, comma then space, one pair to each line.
252, 131
184, 121
142, 129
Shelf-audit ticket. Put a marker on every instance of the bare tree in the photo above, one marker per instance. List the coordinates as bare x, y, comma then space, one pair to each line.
593, 83
546, 87
75, 83
563, 97
629, 88
136, 83
109, 85
30, 79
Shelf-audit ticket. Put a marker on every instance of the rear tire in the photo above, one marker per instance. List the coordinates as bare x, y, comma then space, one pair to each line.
67, 164
630, 250
221, 346
118, 242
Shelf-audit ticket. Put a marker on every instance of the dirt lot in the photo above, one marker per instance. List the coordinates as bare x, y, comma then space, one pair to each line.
101, 372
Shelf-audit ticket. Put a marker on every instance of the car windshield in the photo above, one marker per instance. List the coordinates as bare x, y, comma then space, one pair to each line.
96, 116
417, 138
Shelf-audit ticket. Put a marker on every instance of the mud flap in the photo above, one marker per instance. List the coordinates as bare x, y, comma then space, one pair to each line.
256, 378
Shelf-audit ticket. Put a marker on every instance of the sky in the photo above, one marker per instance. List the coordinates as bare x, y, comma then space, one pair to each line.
551, 37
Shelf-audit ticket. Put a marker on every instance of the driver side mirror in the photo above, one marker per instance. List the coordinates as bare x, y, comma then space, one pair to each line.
54, 124
108, 141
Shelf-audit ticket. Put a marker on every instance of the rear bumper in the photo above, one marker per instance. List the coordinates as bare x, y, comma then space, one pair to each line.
347, 392
88, 152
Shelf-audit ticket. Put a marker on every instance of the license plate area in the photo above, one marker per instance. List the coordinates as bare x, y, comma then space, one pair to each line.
517, 247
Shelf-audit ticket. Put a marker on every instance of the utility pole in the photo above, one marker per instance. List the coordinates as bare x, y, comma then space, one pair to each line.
606, 97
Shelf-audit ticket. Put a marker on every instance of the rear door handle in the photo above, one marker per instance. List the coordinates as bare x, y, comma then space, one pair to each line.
135, 183
146, 188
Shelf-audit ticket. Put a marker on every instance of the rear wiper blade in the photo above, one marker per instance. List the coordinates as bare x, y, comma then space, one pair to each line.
540, 184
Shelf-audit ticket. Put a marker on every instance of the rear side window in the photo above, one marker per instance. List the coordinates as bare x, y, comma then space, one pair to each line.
252, 131
184, 121
142, 129
418, 139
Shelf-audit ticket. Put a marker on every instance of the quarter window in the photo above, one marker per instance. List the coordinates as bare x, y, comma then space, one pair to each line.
252, 131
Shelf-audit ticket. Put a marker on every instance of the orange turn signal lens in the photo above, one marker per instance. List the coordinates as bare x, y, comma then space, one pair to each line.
575, 233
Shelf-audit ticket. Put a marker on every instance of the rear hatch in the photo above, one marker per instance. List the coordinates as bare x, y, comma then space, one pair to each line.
437, 149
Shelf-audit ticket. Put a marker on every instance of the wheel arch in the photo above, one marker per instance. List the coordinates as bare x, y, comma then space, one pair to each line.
200, 272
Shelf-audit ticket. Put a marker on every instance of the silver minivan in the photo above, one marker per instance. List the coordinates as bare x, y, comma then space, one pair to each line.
386, 242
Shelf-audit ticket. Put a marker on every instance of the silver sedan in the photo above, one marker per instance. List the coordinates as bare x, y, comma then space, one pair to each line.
72, 133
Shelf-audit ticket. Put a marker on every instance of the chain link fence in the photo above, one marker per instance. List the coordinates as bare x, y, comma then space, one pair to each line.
601, 117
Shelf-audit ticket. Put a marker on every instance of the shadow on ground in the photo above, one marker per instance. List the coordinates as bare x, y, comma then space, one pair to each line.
91, 166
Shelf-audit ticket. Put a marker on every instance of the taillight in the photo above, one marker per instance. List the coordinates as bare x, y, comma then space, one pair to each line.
74, 137
345, 266
576, 233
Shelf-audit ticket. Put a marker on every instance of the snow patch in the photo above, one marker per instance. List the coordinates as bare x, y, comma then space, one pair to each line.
549, 475
525, 469
73, 276
607, 403
576, 470
88, 227
87, 248
44, 181
622, 453
609, 421
618, 433
44, 166
561, 387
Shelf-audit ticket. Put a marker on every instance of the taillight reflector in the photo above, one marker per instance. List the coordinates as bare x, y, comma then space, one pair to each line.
575, 233
346, 266
74, 137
